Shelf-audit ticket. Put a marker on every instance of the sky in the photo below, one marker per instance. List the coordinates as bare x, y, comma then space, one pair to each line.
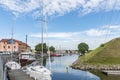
67, 22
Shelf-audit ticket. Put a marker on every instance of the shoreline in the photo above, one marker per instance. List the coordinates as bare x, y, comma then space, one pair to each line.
96, 67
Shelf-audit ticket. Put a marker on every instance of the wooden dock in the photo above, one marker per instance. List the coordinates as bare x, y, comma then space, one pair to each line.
18, 75
111, 72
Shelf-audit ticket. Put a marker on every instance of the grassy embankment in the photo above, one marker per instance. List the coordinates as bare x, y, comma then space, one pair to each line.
107, 54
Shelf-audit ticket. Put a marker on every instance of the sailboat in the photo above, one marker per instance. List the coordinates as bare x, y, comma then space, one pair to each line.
35, 70
12, 65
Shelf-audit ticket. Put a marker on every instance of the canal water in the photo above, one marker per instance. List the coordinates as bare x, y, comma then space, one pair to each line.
61, 70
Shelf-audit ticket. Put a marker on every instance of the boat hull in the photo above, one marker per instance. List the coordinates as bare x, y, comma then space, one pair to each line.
55, 55
25, 62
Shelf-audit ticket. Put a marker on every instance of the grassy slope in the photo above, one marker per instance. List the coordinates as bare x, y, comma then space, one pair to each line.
109, 54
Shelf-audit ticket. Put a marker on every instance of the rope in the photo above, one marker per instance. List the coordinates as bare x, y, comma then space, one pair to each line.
110, 22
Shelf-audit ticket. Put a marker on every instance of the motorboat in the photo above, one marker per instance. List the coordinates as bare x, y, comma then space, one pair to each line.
26, 56
12, 65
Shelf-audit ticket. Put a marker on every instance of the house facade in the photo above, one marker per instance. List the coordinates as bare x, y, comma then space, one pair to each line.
13, 45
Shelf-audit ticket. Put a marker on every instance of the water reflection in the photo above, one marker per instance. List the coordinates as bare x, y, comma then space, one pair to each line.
44, 61
61, 70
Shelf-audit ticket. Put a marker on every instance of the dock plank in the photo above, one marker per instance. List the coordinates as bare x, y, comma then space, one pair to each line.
18, 75
111, 72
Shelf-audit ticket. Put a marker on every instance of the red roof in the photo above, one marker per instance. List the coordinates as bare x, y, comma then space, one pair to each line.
19, 42
4, 40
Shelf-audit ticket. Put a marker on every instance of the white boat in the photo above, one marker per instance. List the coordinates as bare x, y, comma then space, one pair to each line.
37, 72
12, 65
26, 56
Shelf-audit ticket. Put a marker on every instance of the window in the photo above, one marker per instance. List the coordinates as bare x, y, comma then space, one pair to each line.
8, 46
3, 46
10, 41
14, 46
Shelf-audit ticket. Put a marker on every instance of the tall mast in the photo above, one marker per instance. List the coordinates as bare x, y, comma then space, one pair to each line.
42, 29
12, 34
48, 50
26, 42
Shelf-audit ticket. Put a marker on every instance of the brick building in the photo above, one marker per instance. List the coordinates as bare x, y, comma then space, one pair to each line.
13, 45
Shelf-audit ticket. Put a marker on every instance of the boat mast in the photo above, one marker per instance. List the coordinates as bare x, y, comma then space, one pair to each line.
48, 51
12, 34
42, 29
44, 25
26, 42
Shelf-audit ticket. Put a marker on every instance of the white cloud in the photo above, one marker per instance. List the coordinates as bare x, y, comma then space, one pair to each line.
63, 6
70, 40
99, 5
56, 34
91, 5
18, 6
105, 30
112, 27
60, 7
95, 32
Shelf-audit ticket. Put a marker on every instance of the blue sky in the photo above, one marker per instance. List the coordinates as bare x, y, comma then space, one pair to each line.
69, 22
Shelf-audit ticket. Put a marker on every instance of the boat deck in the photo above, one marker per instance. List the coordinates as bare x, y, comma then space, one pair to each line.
18, 75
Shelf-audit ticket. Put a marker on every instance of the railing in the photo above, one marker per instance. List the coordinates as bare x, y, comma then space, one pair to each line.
1, 69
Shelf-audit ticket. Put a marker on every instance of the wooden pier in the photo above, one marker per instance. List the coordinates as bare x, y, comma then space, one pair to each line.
111, 72
18, 75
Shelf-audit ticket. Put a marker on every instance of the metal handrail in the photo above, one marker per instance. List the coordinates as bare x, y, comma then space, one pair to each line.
1, 69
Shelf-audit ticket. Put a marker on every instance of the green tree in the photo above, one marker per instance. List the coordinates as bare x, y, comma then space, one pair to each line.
38, 47
83, 48
51, 48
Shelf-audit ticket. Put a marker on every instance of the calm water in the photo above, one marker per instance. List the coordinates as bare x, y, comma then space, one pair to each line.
60, 72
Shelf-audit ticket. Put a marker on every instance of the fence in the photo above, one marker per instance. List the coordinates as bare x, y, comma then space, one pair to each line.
1, 69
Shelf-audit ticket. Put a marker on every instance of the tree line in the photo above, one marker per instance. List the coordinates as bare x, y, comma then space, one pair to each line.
82, 48
38, 48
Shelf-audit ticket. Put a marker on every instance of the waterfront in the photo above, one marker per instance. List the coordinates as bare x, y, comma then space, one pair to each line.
61, 70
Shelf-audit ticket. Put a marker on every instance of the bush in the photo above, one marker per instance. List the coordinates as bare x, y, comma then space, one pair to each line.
102, 45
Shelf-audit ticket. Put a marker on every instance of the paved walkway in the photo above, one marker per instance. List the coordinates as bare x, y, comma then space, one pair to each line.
18, 75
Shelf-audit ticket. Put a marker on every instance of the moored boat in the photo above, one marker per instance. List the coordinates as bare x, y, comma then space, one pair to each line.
55, 55
37, 72
12, 65
26, 56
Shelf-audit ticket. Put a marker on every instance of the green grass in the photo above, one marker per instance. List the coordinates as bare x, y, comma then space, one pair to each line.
91, 54
107, 54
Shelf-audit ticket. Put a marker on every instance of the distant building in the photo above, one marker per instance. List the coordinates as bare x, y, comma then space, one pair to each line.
13, 45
